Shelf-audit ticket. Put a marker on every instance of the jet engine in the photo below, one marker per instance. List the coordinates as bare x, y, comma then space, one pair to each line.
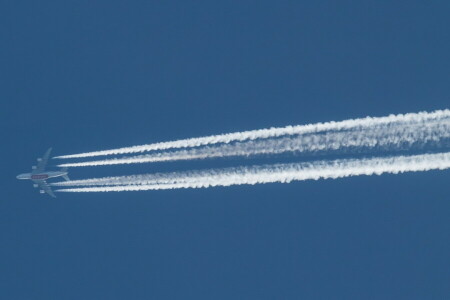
39, 159
35, 185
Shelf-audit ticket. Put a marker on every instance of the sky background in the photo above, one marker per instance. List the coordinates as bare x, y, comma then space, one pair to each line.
92, 75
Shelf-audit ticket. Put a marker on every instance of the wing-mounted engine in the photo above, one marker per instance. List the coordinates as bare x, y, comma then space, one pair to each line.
35, 185
39, 159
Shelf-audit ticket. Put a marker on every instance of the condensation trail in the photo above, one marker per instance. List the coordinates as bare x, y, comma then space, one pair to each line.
390, 137
283, 173
274, 132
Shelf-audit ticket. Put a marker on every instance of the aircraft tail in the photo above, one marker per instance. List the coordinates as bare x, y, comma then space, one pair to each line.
66, 177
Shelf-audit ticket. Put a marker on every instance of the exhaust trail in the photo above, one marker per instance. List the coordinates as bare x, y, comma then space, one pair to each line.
351, 124
282, 173
386, 137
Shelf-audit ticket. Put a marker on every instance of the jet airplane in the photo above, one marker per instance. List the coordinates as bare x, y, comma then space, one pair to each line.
39, 175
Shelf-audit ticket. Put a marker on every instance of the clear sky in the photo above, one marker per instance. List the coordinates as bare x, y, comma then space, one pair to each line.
92, 75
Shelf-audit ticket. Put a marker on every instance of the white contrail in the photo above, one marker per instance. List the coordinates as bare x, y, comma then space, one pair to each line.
274, 132
283, 173
380, 137
158, 178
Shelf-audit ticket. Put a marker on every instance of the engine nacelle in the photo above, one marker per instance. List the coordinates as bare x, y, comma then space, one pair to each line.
39, 159
35, 185
33, 167
42, 191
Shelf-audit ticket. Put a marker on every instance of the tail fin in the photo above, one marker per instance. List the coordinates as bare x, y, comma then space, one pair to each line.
65, 176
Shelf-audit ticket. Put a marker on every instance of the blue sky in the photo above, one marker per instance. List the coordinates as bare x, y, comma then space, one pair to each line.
84, 76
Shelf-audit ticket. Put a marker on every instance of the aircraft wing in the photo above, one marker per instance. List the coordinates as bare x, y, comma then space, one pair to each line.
45, 187
42, 162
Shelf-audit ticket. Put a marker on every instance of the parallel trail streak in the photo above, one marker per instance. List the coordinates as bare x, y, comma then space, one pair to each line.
283, 173
382, 137
412, 118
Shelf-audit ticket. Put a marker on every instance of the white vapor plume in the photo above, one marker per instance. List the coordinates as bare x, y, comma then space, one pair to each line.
353, 124
283, 173
382, 137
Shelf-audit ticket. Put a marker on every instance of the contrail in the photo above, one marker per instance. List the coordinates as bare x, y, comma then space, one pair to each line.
387, 137
274, 132
283, 173
157, 178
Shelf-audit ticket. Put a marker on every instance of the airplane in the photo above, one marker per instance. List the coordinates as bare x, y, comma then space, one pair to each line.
39, 176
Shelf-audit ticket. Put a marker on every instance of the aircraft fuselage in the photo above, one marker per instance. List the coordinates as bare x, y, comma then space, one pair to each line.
41, 176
